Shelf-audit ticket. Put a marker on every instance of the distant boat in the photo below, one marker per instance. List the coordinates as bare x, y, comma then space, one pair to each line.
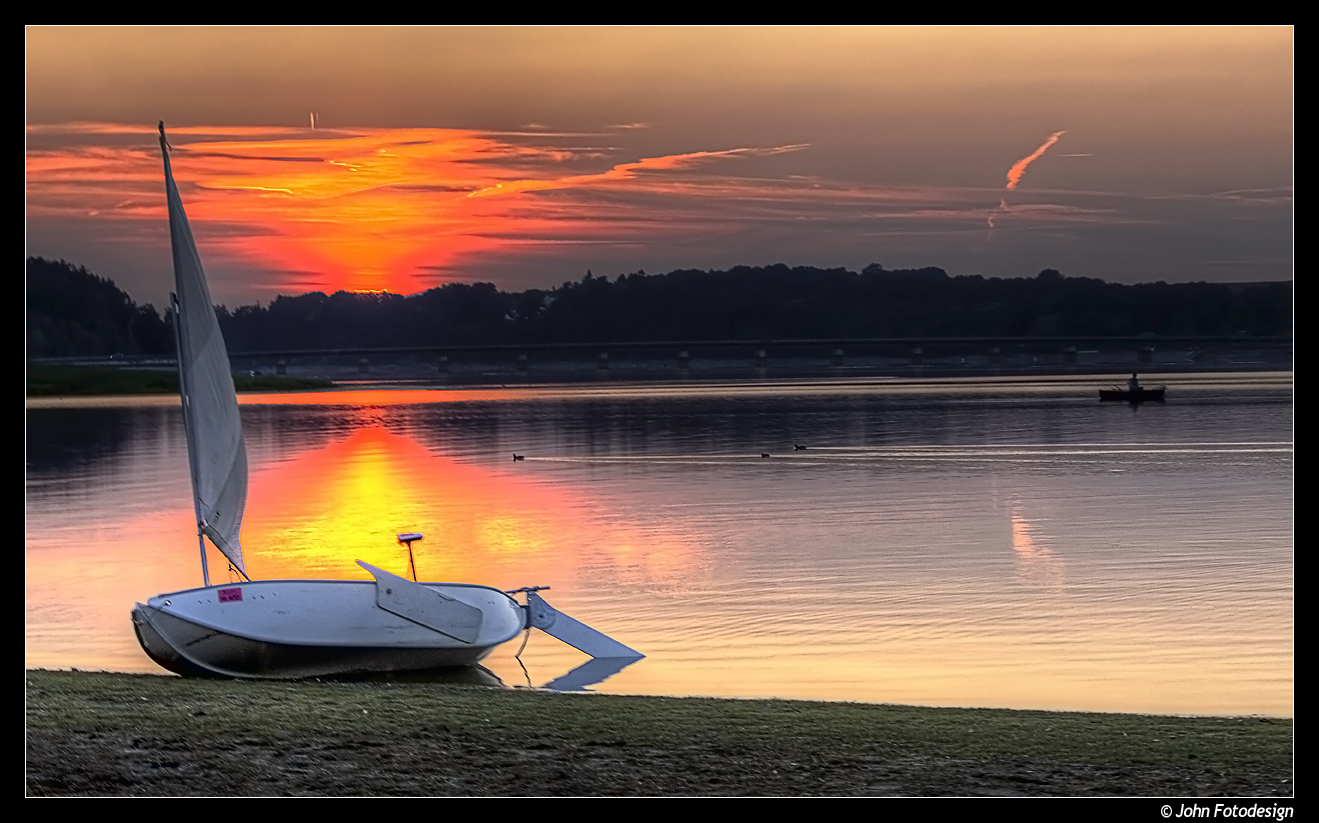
308, 628
1133, 393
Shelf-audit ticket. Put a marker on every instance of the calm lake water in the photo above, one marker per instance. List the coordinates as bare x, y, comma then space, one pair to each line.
957, 544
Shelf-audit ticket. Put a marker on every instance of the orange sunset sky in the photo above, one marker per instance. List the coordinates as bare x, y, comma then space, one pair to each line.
405, 158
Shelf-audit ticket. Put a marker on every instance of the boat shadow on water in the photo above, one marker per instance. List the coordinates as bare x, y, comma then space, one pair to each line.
594, 671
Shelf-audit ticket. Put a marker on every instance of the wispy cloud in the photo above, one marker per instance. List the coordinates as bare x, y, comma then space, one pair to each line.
627, 171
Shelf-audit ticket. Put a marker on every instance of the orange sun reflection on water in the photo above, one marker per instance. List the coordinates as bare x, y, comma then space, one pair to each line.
312, 514
318, 513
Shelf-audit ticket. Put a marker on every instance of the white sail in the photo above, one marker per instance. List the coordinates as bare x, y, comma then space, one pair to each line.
210, 406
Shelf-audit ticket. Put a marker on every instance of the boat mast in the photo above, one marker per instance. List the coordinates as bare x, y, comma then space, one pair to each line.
185, 393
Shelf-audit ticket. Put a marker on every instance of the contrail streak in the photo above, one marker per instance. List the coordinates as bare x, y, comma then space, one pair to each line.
1017, 170
1015, 173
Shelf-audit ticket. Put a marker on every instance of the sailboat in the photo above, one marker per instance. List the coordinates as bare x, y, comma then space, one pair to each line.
309, 628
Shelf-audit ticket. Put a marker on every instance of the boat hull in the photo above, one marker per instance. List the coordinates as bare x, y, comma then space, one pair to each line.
284, 629
1127, 396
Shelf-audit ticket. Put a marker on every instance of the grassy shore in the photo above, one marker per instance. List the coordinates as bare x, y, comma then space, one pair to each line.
46, 381
116, 734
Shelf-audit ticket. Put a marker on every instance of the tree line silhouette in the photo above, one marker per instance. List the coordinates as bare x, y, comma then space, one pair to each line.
71, 311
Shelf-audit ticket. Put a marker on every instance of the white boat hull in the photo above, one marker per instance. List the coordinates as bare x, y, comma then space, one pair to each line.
314, 628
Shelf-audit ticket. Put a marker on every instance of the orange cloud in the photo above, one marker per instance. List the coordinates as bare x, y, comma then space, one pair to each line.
360, 209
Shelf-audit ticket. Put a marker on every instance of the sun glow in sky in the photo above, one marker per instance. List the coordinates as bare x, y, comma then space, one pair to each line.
367, 209
526, 156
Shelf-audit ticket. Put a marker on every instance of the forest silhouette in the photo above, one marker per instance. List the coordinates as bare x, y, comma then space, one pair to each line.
73, 312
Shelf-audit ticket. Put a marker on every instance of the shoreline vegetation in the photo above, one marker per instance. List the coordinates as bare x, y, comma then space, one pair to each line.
94, 733
51, 381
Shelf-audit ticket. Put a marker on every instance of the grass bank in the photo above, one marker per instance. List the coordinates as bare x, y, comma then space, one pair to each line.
96, 734
46, 381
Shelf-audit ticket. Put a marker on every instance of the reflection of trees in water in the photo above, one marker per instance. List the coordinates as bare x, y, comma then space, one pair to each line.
741, 420
59, 440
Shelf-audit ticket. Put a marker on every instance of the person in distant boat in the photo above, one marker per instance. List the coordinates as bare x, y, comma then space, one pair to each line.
1133, 385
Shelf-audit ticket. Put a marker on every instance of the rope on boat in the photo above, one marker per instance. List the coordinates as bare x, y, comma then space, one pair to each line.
518, 657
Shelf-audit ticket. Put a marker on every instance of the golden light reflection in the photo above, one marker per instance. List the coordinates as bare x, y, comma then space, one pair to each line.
379, 397
1036, 561
318, 513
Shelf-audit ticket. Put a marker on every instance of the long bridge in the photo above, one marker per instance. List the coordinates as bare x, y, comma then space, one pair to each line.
906, 355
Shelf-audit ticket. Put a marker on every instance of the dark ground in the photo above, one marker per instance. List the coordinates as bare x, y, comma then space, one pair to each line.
114, 734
